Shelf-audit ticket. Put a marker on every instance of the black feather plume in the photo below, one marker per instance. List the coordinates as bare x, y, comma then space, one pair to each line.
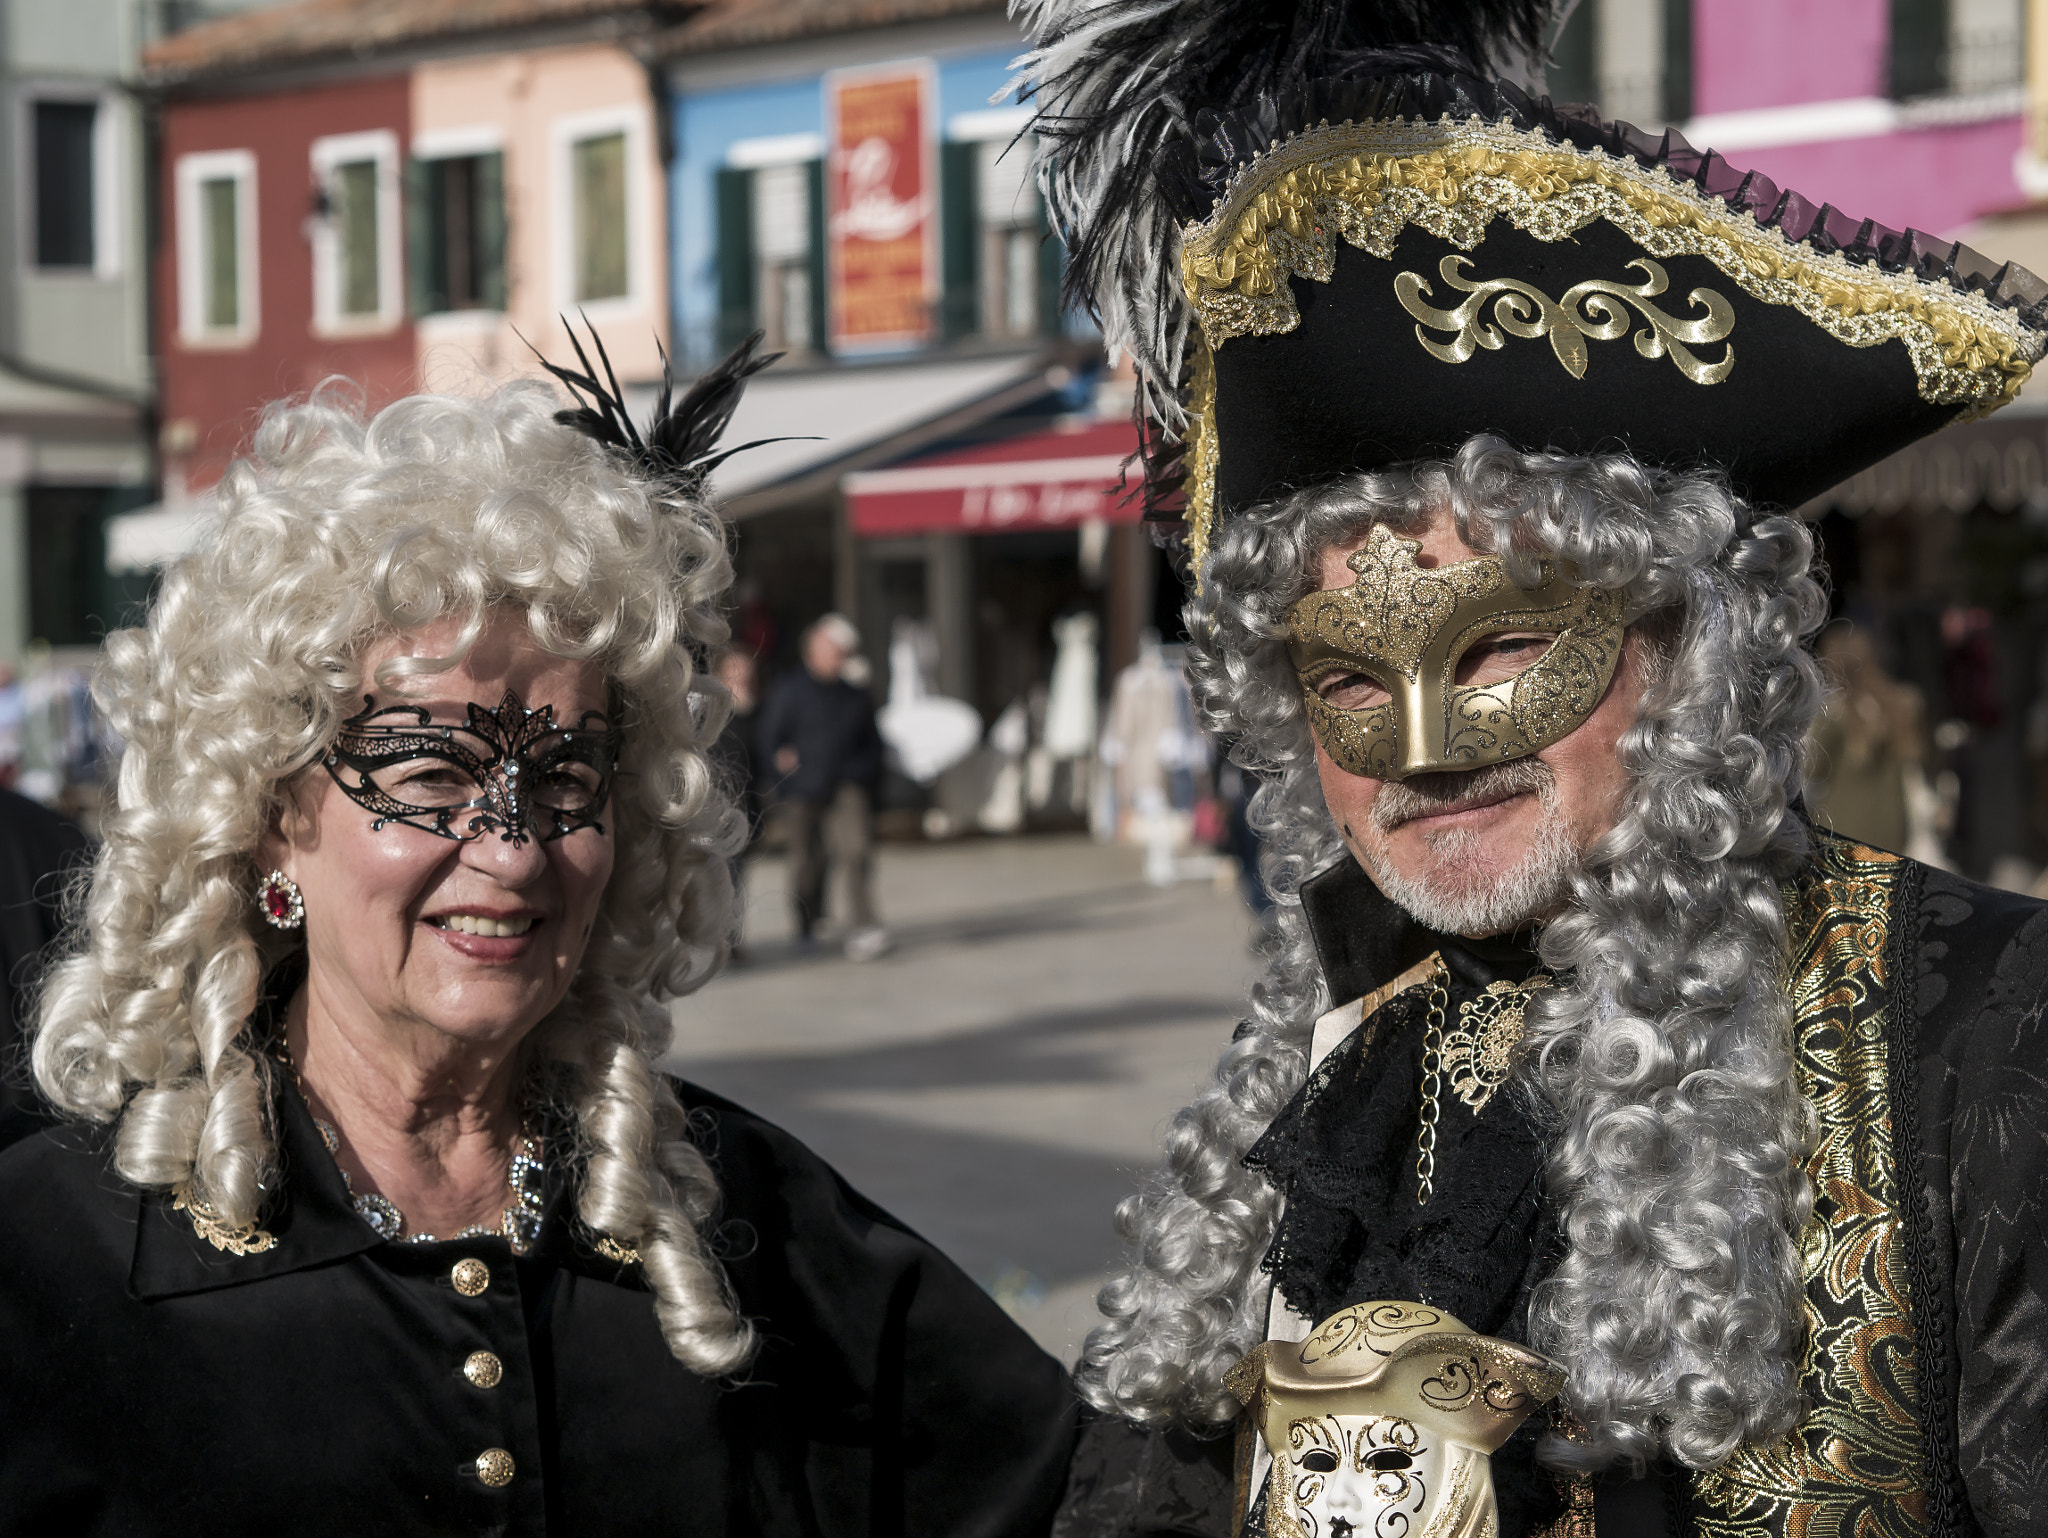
678, 446
1125, 90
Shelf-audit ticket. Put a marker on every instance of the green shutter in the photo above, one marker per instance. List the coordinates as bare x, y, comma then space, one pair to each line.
1919, 54
735, 194
821, 339
1677, 60
490, 230
420, 228
959, 240
1574, 73
1052, 267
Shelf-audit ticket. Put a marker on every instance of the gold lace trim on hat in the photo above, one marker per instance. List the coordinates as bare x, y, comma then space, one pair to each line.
1368, 181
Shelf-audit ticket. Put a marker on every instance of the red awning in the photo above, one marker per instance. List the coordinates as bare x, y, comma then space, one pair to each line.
1044, 480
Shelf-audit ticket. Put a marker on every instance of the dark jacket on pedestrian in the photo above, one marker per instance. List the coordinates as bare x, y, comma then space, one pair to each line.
831, 724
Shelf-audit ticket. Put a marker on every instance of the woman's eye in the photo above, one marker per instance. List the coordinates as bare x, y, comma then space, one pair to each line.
1351, 691
568, 788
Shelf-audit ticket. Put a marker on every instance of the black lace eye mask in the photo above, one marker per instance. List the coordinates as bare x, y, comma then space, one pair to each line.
511, 770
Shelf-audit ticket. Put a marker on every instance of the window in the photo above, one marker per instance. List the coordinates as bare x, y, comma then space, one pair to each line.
458, 232
64, 183
73, 599
598, 171
220, 215
784, 230
1010, 238
1001, 273
1986, 49
1630, 58
601, 225
216, 247
1919, 47
355, 233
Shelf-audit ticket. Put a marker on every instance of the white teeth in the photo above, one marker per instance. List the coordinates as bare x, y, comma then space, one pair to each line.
476, 924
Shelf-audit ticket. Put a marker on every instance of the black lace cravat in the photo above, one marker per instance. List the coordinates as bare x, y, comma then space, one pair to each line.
1343, 1152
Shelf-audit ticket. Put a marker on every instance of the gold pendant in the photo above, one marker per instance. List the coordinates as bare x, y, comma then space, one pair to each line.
1480, 1053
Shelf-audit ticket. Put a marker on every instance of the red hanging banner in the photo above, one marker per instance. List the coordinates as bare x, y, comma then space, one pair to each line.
881, 199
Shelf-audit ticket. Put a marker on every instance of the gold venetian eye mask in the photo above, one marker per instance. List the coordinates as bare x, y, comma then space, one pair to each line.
1405, 628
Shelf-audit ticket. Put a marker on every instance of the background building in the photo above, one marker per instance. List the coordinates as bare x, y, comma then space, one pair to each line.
849, 180
393, 193
74, 353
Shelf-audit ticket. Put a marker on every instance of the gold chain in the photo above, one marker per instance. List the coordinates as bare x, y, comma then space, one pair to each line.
1432, 1070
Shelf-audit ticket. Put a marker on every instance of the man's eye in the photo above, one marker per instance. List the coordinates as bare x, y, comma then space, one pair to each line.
1319, 1461
1351, 691
1500, 657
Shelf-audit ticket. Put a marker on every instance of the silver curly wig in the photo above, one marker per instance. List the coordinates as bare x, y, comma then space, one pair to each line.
336, 531
1665, 1050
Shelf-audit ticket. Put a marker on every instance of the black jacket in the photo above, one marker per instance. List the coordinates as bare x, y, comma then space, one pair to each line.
831, 724
1949, 981
151, 1383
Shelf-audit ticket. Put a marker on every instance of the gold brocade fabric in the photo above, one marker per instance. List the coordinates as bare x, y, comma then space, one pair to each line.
1854, 1467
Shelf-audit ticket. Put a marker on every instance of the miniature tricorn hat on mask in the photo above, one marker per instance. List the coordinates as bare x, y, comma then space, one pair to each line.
1333, 238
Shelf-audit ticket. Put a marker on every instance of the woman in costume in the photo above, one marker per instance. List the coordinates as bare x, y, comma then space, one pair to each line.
1586, 1071
374, 1214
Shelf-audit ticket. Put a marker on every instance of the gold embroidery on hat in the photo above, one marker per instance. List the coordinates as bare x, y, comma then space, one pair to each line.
1595, 310
1369, 181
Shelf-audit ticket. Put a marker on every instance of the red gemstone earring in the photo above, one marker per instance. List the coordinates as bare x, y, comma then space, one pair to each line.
280, 901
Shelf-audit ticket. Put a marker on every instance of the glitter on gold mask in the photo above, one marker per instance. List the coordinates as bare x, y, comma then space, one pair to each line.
1406, 626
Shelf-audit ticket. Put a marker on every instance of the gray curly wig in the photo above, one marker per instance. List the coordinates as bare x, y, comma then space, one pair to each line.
1665, 1051
334, 532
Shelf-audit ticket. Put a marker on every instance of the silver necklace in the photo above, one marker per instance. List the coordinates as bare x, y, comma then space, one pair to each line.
519, 1225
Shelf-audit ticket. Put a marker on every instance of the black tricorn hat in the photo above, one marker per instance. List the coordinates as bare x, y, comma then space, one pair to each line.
1352, 257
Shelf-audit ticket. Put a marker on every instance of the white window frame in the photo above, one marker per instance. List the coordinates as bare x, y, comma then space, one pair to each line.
191, 173
565, 133
380, 146
109, 203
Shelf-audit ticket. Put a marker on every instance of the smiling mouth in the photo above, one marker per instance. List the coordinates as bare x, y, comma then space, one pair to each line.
477, 924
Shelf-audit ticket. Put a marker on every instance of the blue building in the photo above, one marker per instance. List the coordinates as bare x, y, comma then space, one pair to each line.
956, 424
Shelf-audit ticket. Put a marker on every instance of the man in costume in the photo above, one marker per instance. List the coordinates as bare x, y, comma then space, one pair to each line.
1475, 421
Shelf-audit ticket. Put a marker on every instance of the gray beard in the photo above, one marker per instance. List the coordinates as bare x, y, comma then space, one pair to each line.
1459, 896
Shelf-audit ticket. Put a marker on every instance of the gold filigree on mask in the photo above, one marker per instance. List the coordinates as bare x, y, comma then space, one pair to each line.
1406, 626
1595, 310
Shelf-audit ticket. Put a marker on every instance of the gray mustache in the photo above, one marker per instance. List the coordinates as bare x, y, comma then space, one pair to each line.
1402, 801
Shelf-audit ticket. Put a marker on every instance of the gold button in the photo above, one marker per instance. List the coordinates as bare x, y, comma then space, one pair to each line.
483, 1369
470, 1277
494, 1466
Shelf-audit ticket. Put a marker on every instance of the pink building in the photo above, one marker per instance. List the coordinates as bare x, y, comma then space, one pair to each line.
1909, 112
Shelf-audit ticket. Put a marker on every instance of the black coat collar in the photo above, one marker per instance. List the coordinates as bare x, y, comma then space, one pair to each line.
312, 1221
1364, 941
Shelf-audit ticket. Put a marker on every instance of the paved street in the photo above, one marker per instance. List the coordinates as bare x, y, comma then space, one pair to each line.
1000, 1080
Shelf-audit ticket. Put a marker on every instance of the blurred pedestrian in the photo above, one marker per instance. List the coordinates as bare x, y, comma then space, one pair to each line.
732, 762
820, 750
1866, 750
